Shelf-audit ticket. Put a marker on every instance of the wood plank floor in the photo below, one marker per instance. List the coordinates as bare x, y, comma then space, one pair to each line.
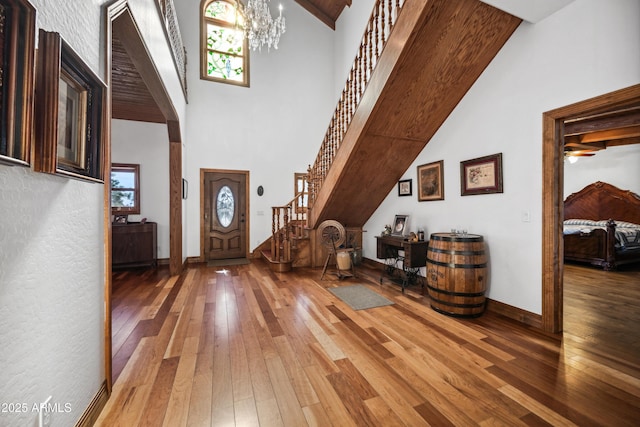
244, 346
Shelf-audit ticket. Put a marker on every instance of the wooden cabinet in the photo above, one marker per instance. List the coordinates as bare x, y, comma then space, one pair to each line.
134, 244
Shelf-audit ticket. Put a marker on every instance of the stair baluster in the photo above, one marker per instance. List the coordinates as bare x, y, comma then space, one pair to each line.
359, 76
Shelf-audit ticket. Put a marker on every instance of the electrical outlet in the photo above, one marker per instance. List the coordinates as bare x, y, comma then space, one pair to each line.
526, 216
44, 416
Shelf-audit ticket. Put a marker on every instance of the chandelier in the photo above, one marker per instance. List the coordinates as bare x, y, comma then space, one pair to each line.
259, 27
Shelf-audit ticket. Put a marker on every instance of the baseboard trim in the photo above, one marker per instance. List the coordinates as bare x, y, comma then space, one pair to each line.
95, 407
506, 310
515, 313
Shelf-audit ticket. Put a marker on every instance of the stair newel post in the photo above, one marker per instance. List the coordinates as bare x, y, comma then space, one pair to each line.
274, 237
286, 238
312, 191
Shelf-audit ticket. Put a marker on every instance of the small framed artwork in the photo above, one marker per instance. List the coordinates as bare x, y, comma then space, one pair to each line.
70, 112
431, 181
404, 187
185, 188
399, 226
482, 175
120, 219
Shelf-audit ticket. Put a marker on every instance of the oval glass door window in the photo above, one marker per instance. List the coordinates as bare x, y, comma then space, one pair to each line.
225, 206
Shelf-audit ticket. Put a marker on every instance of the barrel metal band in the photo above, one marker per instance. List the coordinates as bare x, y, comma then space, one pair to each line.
454, 252
450, 238
456, 294
453, 265
458, 305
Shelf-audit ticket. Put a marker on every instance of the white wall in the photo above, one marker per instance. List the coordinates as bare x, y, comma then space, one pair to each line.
147, 144
586, 49
617, 166
272, 129
52, 249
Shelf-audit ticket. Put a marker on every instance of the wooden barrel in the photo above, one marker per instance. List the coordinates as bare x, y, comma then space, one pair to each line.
457, 274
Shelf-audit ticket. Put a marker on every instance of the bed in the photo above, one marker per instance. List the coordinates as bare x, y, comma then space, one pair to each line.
602, 226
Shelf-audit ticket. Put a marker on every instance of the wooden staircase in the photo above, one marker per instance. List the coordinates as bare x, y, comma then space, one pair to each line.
289, 244
416, 61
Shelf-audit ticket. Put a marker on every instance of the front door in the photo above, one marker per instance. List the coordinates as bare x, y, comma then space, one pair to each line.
224, 215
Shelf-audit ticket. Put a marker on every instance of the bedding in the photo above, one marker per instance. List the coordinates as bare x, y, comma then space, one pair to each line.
607, 243
627, 233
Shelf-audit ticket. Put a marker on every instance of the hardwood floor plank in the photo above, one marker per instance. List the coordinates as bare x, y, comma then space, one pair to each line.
290, 409
156, 407
247, 346
269, 413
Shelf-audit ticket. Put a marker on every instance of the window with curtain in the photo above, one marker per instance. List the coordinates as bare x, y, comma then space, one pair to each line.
224, 56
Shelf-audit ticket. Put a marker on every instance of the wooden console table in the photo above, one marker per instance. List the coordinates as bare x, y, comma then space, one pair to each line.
134, 244
402, 269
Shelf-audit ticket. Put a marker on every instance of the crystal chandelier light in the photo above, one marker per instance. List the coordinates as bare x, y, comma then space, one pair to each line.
259, 27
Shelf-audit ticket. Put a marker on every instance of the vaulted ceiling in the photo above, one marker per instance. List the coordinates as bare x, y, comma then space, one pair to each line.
131, 98
328, 11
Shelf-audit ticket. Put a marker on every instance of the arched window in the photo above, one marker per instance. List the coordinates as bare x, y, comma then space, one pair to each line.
224, 56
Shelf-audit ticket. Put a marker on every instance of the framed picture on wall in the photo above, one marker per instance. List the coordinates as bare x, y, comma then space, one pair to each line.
17, 80
482, 175
69, 112
431, 181
404, 187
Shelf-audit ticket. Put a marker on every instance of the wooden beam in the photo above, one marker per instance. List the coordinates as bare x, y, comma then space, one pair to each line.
175, 205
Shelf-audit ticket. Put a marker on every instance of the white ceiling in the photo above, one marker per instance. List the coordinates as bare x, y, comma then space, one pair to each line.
529, 10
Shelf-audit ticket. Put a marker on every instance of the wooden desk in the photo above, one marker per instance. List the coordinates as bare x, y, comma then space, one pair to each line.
402, 269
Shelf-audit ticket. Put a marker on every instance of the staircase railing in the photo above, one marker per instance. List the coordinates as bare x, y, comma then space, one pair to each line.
168, 12
288, 224
379, 27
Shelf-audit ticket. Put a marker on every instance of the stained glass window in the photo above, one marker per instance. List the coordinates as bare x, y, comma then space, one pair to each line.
224, 47
225, 206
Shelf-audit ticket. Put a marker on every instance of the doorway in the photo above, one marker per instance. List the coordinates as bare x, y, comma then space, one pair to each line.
553, 193
224, 214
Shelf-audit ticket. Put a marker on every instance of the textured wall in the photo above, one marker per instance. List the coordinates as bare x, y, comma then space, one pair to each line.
51, 266
52, 251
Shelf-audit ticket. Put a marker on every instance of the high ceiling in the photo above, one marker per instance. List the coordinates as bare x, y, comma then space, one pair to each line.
131, 98
328, 11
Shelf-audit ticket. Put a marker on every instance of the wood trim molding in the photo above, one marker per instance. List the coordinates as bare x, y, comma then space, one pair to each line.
553, 194
175, 205
515, 313
97, 404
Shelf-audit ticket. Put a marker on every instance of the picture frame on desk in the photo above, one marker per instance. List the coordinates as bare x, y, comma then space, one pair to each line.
399, 226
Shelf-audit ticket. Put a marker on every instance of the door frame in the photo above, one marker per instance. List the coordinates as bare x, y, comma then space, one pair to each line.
553, 194
204, 171
119, 18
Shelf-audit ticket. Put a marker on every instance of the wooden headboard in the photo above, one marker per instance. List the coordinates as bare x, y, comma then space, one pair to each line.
603, 201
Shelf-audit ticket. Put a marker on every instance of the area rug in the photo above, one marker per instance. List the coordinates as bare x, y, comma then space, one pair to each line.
360, 297
225, 262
